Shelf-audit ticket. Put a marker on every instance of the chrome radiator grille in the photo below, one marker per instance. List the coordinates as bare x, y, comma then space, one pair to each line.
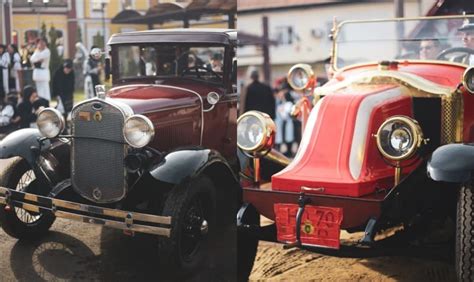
98, 152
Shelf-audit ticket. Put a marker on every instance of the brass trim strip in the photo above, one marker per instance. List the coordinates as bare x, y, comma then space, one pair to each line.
52, 205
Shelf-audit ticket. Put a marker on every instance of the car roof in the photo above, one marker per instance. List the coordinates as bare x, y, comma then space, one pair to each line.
181, 35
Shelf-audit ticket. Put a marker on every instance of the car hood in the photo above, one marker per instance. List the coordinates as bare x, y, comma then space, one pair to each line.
338, 154
143, 98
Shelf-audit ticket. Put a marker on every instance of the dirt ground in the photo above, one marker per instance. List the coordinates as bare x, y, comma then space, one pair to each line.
79, 252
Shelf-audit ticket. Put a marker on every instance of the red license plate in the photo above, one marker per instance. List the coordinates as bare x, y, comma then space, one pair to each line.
320, 226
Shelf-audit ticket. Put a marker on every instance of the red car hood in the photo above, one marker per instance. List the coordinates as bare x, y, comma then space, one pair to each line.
144, 98
338, 154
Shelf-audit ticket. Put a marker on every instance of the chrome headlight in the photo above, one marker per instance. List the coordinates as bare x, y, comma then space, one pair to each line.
399, 137
138, 131
255, 132
468, 79
301, 76
50, 122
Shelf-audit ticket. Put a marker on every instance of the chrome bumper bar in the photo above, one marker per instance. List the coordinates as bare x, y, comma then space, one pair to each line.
119, 219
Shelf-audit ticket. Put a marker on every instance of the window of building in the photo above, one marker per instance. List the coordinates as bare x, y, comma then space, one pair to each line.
285, 35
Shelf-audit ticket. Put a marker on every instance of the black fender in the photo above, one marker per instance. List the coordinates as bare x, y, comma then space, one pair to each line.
178, 165
21, 143
452, 163
182, 165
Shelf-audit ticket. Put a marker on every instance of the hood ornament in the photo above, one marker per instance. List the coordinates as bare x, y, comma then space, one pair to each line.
100, 90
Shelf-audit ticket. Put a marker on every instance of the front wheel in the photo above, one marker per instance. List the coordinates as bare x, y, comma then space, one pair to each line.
464, 237
18, 222
192, 207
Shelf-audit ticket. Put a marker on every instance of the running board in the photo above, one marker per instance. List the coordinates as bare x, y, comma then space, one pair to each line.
119, 219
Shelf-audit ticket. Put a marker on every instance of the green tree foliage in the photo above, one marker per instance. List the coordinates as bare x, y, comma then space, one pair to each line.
98, 40
55, 60
43, 30
79, 34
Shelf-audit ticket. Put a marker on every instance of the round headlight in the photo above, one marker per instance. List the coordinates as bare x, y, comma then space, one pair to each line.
399, 137
50, 122
138, 131
301, 76
255, 132
468, 79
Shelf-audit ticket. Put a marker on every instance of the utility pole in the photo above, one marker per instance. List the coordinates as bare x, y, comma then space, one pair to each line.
266, 51
399, 8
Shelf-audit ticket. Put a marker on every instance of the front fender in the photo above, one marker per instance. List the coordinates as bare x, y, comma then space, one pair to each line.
452, 163
19, 144
181, 164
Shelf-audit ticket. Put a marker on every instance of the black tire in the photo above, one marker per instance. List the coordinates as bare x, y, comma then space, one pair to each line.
247, 243
17, 222
464, 236
188, 205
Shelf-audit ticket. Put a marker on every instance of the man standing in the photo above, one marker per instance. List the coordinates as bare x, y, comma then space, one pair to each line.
259, 96
4, 63
41, 75
63, 87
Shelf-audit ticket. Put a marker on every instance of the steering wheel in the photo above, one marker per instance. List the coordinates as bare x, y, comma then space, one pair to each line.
442, 55
196, 68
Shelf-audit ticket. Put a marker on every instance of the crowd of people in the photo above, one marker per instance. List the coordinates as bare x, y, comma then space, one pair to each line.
277, 103
19, 107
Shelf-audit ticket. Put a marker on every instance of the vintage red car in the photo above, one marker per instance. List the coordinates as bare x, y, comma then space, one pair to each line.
154, 154
368, 134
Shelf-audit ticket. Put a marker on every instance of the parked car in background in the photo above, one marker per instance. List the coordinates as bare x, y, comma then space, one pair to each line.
154, 154
368, 134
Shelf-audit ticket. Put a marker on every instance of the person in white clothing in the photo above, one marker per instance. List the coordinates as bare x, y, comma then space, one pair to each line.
41, 75
4, 63
15, 66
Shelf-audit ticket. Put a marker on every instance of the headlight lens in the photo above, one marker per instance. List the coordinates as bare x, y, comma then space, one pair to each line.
399, 137
468, 80
255, 132
50, 122
138, 131
301, 76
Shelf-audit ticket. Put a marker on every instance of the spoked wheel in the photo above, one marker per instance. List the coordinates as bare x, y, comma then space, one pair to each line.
464, 234
192, 208
18, 222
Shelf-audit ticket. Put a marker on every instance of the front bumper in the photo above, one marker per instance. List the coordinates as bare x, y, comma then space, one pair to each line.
119, 219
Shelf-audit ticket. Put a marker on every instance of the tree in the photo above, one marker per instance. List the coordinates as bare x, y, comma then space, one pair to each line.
98, 40
55, 60
79, 34
43, 30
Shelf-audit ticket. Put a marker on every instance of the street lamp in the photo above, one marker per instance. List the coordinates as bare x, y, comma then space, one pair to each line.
103, 3
45, 3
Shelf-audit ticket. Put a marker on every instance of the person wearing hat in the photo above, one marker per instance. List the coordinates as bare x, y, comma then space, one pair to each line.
467, 30
4, 63
216, 62
41, 75
31, 104
63, 87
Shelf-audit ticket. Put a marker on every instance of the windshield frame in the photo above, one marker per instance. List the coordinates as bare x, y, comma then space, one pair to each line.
118, 79
338, 26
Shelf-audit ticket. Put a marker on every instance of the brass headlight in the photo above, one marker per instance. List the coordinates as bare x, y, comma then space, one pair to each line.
399, 137
255, 132
468, 79
50, 122
138, 131
301, 76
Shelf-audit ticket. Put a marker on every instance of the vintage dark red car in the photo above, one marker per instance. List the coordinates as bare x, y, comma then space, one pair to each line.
368, 134
155, 154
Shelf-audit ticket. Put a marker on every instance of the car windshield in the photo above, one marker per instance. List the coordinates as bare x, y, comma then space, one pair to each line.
411, 39
171, 60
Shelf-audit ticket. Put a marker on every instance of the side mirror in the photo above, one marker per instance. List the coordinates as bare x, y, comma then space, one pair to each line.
107, 69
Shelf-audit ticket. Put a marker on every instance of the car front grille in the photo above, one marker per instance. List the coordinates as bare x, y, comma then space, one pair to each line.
98, 151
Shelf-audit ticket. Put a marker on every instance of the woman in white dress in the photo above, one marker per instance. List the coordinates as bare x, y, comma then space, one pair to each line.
15, 65
41, 75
